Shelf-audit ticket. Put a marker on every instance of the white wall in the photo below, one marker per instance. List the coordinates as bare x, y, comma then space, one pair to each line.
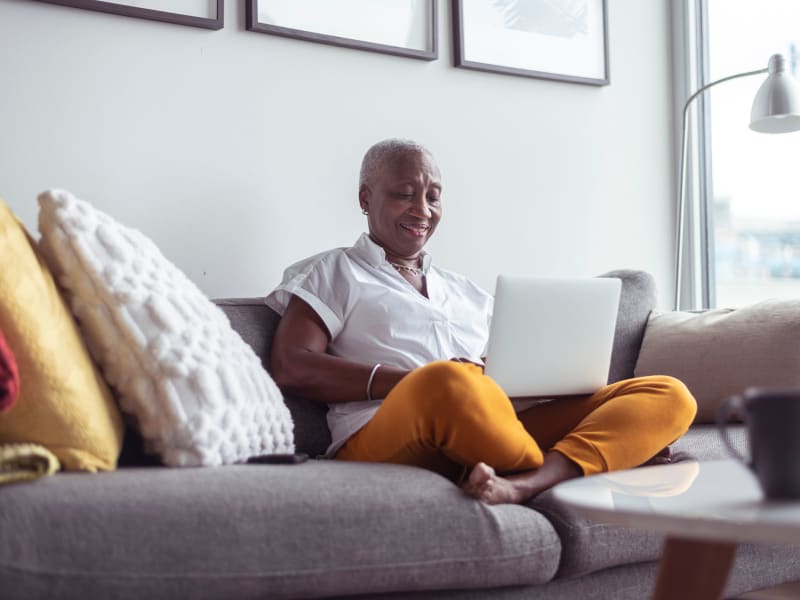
238, 152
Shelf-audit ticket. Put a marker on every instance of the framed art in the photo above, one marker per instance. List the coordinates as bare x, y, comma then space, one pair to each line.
565, 40
398, 27
208, 14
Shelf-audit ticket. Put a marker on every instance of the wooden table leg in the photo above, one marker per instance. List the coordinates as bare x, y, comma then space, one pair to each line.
691, 568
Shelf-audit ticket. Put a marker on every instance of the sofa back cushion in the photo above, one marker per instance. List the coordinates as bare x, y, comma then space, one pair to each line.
256, 323
721, 352
637, 300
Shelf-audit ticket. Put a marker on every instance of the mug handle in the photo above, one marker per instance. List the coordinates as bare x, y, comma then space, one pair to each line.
734, 403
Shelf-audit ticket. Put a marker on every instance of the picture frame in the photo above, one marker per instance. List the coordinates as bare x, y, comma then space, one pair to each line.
398, 27
208, 14
546, 40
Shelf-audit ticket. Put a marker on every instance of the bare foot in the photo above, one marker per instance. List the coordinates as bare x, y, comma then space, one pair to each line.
487, 486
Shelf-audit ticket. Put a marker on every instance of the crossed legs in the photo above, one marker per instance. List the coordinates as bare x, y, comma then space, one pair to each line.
447, 416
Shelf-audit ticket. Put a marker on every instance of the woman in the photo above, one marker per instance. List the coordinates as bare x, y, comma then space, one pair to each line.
393, 345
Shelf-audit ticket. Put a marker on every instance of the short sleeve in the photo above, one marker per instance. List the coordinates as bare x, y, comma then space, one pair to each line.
322, 282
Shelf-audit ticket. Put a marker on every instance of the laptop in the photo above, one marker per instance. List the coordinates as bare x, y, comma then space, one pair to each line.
552, 337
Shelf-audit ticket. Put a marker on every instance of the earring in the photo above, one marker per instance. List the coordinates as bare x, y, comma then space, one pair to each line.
364, 211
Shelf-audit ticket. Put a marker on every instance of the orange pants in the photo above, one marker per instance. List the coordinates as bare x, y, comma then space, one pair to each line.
447, 416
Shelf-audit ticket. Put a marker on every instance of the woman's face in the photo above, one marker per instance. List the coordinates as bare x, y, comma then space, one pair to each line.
403, 201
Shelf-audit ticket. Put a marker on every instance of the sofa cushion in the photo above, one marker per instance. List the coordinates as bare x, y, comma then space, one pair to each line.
721, 352
637, 299
197, 392
322, 528
590, 546
703, 442
63, 402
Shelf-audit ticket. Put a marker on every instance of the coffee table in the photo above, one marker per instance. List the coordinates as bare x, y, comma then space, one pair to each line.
704, 509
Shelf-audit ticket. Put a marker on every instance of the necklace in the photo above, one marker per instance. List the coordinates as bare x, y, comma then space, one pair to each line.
411, 270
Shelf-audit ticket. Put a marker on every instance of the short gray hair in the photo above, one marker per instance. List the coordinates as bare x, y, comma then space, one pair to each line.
386, 150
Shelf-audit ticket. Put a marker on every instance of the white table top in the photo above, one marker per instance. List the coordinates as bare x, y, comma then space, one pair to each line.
716, 500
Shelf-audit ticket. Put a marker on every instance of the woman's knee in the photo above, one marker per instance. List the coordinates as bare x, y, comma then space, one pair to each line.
450, 386
683, 406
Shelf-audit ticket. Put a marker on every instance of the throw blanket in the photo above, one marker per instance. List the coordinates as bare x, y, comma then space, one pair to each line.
9, 378
25, 462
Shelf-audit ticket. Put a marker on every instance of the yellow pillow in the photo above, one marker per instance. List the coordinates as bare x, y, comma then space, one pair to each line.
64, 404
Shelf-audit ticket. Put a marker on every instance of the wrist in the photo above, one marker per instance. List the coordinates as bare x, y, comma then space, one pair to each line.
371, 380
385, 379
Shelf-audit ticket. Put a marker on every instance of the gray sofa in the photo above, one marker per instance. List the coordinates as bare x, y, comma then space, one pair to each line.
332, 529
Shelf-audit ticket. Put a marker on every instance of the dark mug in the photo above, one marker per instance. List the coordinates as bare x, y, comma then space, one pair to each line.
772, 418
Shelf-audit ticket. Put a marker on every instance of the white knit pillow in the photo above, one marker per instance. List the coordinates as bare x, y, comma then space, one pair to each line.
196, 390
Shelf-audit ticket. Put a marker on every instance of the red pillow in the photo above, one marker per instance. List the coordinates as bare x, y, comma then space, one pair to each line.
9, 377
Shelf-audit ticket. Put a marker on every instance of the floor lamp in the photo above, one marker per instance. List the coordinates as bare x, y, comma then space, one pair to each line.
776, 109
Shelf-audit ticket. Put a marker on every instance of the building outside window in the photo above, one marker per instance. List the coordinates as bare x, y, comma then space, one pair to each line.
753, 179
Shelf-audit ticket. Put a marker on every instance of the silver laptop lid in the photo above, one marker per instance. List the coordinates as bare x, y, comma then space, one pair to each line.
552, 336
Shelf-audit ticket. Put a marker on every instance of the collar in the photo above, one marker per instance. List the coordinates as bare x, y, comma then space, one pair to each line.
374, 255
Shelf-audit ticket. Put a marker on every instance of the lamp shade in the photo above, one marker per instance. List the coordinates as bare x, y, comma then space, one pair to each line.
776, 108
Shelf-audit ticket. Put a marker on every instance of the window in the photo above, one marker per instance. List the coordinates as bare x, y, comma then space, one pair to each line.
751, 191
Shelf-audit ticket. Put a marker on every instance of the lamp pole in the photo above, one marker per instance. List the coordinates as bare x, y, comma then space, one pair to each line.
682, 177
776, 109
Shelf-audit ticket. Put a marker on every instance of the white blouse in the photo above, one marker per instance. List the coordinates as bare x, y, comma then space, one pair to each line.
375, 316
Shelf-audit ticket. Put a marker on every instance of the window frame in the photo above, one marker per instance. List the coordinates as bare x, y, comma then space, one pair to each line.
690, 73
